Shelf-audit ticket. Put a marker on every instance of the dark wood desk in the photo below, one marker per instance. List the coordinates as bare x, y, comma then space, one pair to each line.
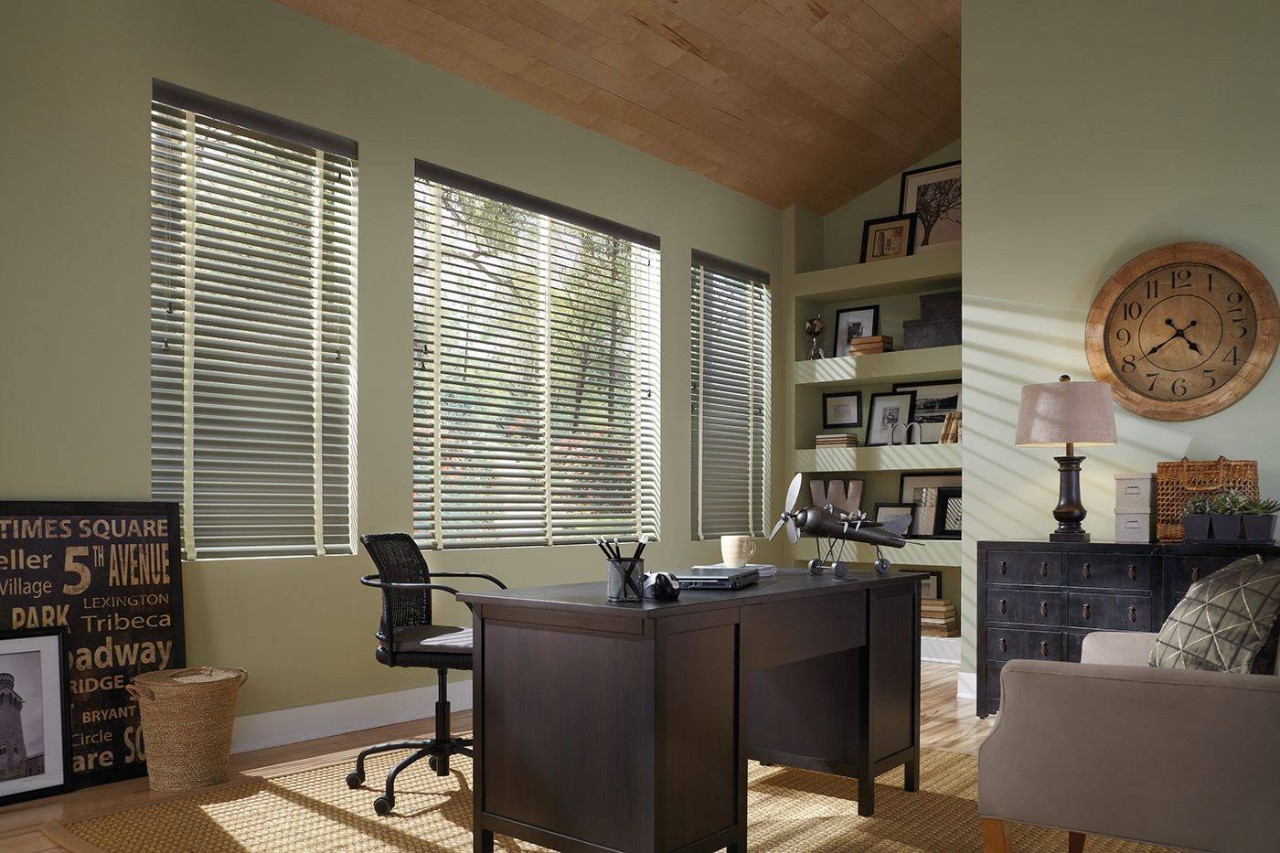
628, 727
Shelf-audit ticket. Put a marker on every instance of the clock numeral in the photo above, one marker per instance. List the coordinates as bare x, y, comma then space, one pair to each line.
1207, 378
1128, 364
1123, 335
1180, 279
1178, 387
1132, 310
1154, 377
1210, 282
1235, 298
1153, 288
1242, 331
1233, 355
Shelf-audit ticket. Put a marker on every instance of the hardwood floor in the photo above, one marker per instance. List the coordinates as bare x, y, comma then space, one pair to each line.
946, 723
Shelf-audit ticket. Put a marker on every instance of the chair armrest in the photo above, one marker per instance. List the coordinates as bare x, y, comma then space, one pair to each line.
1181, 758
1119, 648
387, 586
480, 575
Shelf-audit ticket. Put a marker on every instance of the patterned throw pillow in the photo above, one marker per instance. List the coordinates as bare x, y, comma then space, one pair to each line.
1224, 621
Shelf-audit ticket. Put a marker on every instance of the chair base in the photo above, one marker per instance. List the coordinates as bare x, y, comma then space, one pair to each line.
436, 750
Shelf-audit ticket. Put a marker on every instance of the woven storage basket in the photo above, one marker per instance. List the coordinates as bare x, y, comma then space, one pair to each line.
1178, 481
187, 716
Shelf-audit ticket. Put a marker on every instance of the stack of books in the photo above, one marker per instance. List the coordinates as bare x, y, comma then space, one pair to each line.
938, 618
836, 439
871, 345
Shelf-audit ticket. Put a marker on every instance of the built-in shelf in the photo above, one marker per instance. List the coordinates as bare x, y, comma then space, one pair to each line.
913, 274
899, 457
904, 366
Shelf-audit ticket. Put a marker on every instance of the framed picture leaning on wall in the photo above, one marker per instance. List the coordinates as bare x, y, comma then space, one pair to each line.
933, 195
888, 237
934, 401
34, 753
841, 410
888, 410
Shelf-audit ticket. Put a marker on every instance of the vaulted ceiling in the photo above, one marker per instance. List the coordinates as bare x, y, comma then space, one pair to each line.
807, 102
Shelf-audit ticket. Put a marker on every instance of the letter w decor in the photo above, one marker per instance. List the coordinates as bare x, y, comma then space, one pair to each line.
110, 576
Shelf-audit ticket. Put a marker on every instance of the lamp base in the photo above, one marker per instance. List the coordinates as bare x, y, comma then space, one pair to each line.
1070, 512
1069, 536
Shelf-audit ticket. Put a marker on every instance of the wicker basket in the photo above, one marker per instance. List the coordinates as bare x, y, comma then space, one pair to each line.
187, 715
1178, 481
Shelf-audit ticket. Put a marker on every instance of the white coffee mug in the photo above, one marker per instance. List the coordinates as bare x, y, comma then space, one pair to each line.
736, 551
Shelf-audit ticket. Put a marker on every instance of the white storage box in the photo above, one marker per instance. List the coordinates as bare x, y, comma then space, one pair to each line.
1135, 526
1135, 493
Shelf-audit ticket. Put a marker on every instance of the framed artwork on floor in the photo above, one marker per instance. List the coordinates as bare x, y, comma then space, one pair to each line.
34, 753
888, 410
888, 237
933, 195
934, 401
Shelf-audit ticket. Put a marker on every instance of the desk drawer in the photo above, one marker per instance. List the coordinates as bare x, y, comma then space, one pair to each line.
1025, 606
782, 632
1039, 568
1005, 644
1112, 571
1102, 612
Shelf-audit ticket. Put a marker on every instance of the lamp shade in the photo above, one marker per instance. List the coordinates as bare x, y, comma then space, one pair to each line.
1063, 412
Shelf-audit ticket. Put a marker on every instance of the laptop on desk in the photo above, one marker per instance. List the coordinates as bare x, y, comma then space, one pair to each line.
713, 578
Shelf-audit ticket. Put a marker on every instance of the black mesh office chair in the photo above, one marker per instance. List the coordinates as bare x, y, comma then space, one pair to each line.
406, 637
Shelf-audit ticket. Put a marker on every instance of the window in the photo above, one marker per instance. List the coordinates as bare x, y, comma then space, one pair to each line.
731, 316
253, 283
535, 394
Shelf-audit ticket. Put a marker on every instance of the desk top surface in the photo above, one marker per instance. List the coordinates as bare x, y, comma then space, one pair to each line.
788, 583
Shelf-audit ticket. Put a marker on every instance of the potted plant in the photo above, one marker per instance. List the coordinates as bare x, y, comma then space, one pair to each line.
1195, 519
1225, 511
1260, 520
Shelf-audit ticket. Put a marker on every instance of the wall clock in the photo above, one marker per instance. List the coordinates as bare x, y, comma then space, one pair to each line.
1183, 331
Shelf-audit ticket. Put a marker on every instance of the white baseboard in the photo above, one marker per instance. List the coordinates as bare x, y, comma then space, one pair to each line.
966, 685
940, 649
291, 725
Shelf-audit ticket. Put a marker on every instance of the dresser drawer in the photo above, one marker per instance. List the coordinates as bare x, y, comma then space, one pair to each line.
1112, 571
1040, 568
1075, 645
1006, 644
1102, 612
1025, 606
1187, 569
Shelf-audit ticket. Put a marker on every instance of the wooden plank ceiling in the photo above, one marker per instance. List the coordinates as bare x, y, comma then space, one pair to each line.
807, 102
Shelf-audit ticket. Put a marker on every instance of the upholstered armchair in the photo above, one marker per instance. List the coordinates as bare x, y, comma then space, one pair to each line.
1111, 746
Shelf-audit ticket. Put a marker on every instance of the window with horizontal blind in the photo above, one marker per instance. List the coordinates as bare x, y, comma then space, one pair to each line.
253, 287
535, 366
730, 337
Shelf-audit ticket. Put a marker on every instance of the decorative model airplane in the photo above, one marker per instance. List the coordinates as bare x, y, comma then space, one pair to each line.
838, 528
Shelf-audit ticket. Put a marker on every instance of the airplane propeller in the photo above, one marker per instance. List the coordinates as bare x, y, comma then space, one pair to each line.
788, 516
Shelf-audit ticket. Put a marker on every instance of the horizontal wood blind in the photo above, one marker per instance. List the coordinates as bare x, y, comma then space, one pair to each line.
253, 285
731, 344
536, 356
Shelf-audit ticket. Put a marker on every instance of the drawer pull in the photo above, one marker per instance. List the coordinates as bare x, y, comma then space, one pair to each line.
1044, 609
1087, 571
1004, 605
1133, 573
1044, 648
1195, 573
1044, 569
1133, 614
1004, 645
1085, 612
1004, 568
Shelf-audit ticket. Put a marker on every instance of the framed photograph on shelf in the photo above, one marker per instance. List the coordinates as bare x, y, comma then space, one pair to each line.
934, 401
34, 736
888, 409
950, 514
887, 512
930, 587
922, 491
888, 237
854, 323
933, 195
842, 409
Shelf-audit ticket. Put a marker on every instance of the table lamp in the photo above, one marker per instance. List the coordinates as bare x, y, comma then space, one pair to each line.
1077, 414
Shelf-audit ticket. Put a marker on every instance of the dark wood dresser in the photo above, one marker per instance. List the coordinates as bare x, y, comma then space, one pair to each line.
1037, 600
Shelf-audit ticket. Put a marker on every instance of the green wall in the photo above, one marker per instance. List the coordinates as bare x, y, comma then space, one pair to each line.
1093, 131
75, 82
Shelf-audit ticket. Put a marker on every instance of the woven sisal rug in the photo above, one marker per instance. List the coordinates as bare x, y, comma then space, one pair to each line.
313, 810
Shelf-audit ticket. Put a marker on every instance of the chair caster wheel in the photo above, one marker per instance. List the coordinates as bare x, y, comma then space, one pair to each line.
383, 805
355, 780
433, 762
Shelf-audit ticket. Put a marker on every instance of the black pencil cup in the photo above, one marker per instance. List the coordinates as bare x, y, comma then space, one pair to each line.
617, 587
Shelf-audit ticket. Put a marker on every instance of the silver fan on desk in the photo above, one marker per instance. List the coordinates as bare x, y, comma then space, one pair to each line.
833, 530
